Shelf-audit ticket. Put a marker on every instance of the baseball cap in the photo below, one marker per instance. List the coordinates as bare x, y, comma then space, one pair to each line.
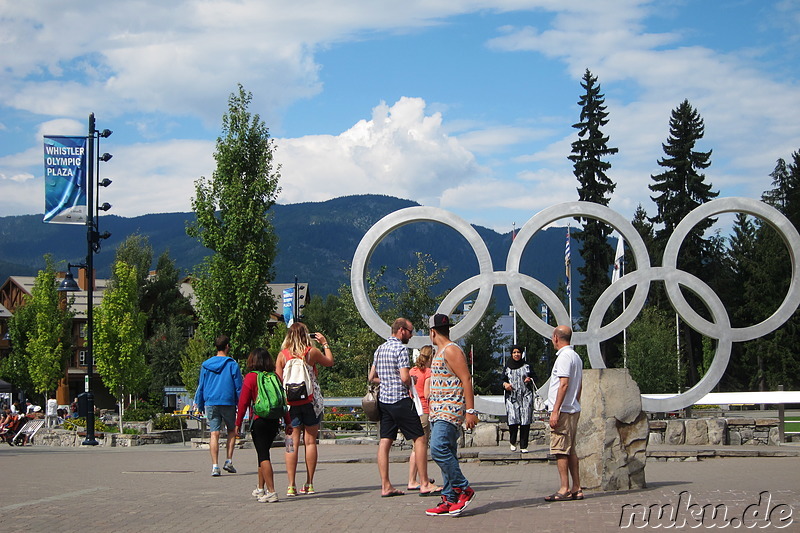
439, 321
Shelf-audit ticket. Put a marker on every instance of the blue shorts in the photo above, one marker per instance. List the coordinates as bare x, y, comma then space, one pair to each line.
304, 415
217, 414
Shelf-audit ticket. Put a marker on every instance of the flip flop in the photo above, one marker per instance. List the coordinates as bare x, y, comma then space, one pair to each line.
413, 488
577, 495
558, 497
395, 492
435, 492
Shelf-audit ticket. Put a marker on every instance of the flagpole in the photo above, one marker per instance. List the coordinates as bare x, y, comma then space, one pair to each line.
568, 261
472, 363
624, 330
619, 271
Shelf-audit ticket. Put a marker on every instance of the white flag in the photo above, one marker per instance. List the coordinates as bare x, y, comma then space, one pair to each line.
618, 257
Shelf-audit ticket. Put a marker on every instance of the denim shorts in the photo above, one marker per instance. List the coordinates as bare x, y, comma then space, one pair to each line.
217, 414
304, 415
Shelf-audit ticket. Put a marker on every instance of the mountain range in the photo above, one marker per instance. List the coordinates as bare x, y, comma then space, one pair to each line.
317, 241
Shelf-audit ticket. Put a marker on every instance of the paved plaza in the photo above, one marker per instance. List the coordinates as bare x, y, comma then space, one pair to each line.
169, 488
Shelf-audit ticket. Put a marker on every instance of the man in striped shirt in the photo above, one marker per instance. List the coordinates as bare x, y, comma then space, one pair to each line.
451, 403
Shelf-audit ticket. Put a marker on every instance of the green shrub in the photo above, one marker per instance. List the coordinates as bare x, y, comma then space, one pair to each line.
165, 421
80, 424
140, 414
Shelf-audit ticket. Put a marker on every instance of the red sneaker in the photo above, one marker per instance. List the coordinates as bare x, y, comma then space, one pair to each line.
465, 497
442, 509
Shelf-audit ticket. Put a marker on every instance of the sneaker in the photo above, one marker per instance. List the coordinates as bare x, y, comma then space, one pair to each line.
465, 497
513, 448
228, 467
268, 497
442, 509
308, 488
523, 450
291, 491
258, 493
215, 471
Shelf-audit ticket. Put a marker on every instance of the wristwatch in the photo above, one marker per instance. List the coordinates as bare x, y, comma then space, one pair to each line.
472, 412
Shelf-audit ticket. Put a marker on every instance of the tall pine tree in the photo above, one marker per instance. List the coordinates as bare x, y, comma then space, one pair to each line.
772, 360
589, 166
680, 189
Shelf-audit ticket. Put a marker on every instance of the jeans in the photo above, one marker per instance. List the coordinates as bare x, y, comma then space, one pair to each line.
444, 445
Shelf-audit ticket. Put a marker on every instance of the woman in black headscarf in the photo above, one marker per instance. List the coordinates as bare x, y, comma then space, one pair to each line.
518, 385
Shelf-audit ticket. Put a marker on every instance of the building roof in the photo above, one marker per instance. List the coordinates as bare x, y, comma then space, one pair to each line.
24, 284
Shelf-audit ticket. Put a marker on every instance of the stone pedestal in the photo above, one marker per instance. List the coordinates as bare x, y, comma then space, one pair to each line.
612, 431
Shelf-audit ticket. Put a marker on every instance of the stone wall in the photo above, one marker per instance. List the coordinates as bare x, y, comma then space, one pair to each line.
63, 437
734, 431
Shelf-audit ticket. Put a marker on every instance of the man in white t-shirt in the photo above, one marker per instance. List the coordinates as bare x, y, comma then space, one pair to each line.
51, 412
563, 399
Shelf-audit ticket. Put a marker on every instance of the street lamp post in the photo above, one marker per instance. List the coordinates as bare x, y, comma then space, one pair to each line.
93, 238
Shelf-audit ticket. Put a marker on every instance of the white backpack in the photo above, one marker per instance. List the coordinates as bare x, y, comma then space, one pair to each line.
297, 381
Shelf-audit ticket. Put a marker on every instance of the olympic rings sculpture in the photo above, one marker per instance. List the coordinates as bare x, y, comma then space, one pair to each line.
641, 278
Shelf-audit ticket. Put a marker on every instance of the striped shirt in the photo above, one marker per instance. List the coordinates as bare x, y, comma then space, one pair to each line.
446, 401
390, 357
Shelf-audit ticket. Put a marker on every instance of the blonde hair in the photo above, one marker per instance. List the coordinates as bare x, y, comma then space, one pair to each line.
424, 357
297, 339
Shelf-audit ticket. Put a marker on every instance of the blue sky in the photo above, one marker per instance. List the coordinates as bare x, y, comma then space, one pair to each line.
464, 105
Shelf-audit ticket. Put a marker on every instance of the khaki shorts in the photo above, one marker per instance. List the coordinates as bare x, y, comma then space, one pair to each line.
426, 427
562, 437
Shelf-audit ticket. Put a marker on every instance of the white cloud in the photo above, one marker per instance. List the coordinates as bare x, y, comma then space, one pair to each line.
400, 151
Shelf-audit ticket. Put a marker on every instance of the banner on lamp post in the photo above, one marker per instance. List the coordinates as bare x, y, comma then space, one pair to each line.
65, 161
288, 306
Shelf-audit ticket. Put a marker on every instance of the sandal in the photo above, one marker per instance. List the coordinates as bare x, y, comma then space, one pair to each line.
558, 497
577, 495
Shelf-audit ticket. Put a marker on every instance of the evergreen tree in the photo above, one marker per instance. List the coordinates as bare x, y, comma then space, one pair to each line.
136, 251
680, 189
233, 221
589, 166
162, 300
771, 360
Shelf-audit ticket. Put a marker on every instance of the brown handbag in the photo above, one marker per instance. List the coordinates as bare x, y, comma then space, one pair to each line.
369, 403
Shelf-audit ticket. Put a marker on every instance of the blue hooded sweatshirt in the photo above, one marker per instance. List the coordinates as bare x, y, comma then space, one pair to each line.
220, 382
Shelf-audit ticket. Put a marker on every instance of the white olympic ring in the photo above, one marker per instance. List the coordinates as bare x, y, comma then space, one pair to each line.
595, 333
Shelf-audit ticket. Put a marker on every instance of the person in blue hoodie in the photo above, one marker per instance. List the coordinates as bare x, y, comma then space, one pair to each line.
218, 394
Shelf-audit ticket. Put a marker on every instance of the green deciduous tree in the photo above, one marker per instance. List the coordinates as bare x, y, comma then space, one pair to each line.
652, 352
119, 342
417, 301
40, 336
479, 345
589, 166
197, 350
233, 221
